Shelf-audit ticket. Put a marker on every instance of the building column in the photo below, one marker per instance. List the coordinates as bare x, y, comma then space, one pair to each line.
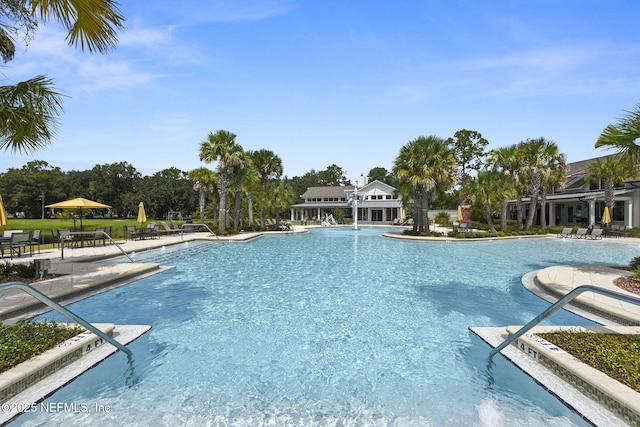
592, 213
552, 214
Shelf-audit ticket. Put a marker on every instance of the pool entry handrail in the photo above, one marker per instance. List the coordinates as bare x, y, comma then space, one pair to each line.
558, 305
93, 234
190, 225
65, 312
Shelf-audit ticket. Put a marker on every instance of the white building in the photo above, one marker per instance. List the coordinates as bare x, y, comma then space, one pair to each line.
378, 203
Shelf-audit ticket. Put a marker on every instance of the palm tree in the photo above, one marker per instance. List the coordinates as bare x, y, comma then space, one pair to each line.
507, 160
249, 184
540, 159
237, 176
422, 166
222, 147
29, 109
284, 196
623, 136
610, 170
204, 178
483, 189
269, 167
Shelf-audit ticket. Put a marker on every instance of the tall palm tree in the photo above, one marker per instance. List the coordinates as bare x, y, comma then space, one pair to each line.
250, 184
540, 159
610, 170
623, 136
422, 166
508, 160
29, 109
204, 178
222, 147
269, 167
237, 176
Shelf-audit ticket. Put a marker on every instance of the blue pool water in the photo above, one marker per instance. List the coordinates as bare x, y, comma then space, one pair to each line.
334, 327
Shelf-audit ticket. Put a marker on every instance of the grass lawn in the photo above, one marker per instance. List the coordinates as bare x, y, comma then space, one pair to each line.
46, 225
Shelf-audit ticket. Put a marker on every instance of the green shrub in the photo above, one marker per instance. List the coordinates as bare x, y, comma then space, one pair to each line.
442, 218
27, 339
617, 356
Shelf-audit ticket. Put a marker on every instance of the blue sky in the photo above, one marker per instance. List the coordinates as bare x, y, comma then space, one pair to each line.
336, 82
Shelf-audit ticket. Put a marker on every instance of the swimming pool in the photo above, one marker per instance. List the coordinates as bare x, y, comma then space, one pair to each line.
334, 327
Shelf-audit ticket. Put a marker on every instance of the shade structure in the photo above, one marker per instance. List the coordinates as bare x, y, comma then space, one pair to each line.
459, 217
3, 214
142, 216
606, 218
78, 203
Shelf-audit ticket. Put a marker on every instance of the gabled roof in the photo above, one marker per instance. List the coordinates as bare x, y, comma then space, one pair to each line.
334, 191
377, 184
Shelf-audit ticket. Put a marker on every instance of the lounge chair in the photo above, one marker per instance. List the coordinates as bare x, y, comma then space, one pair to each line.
566, 232
168, 230
580, 233
596, 233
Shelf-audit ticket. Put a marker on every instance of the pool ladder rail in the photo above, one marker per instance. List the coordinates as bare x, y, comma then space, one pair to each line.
191, 228
557, 306
67, 313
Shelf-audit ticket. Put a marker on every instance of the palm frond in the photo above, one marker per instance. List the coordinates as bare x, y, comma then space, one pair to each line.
92, 24
28, 114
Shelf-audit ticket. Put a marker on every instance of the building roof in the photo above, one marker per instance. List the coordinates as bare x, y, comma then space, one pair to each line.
335, 191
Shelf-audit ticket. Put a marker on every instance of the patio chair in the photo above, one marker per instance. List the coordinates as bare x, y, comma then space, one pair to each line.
65, 237
152, 230
580, 233
19, 244
596, 233
36, 239
566, 232
99, 236
131, 232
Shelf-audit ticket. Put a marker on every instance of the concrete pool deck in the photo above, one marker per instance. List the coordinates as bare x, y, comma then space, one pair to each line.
81, 276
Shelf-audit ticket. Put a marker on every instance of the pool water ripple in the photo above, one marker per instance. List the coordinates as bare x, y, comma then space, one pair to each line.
331, 328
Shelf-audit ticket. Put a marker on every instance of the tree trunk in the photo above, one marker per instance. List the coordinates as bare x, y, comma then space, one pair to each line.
533, 205
503, 215
237, 206
519, 212
222, 219
487, 210
250, 208
202, 195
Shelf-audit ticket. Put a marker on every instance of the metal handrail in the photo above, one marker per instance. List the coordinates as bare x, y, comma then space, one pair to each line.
94, 233
197, 225
558, 305
60, 309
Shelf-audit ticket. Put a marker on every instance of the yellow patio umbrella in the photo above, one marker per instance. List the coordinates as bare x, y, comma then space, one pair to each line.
459, 218
606, 218
142, 216
78, 203
3, 214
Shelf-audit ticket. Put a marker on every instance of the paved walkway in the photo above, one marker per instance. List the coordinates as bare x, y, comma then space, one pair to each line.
552, 283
